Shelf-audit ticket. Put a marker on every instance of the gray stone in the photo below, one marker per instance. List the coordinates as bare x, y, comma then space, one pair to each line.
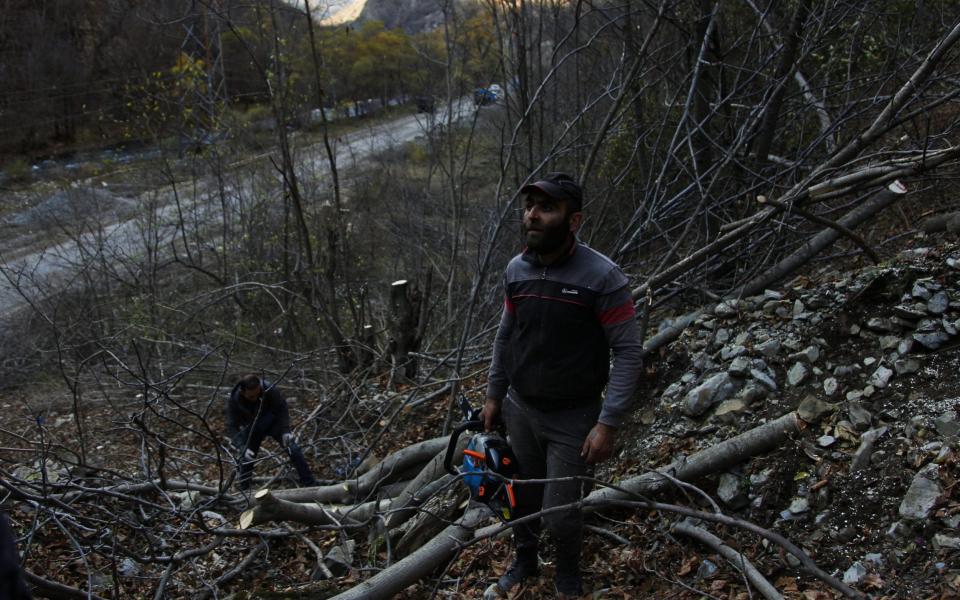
128, 568
672, 390
752, 393
933, 340
922, 495
880, 325
868, 391
881, 377
947, 425
825, 441
763, 378
949, 327
797, 374
953, 263
920, 291
722, 337
798, 308
910, 312
862, 457
769, 348
812, 409
791, 343
739, 367
938, 303
757, 479
727, 308
843, 371
860, 417
869, 361
688, 378
707, 569
874, 557
906, 366
889, 342
928, 325
340, 558
731, 491
799, 506
729, 410
732, 352
854, 574
899, 531
713, 391
772, 295
830, 386
810, 354
854, 395
944, 541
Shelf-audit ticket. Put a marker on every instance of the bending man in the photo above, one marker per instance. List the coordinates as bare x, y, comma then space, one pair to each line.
256, 409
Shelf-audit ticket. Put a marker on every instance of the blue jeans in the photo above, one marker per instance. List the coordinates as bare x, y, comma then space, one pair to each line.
254, 435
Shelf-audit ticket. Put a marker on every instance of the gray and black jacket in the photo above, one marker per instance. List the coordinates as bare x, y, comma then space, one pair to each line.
269, 415
558, 326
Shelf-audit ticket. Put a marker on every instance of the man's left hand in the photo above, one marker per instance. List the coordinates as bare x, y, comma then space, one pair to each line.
598, 446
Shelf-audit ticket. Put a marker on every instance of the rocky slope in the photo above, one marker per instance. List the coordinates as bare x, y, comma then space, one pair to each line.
870, 358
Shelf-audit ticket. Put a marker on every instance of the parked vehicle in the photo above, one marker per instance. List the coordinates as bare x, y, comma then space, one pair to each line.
426, 104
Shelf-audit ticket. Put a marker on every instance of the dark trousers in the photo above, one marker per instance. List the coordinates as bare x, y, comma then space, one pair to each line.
254, 435
547, 446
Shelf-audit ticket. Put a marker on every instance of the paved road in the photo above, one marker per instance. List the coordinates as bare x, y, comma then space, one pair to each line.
38, 273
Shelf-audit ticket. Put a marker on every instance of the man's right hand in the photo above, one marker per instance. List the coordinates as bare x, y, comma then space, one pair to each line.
490, 415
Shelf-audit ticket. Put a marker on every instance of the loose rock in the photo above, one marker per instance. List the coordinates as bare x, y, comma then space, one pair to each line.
922, 495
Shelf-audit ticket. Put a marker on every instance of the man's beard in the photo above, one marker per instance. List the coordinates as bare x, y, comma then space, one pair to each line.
548, 239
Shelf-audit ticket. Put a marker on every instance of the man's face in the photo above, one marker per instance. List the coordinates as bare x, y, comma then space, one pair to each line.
250, 395
546, 223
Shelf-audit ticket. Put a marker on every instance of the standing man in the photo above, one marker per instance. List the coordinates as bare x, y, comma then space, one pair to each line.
566, 307
256, 409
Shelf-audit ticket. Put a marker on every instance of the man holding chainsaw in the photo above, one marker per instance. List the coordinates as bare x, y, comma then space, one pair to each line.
566, 308
256, 409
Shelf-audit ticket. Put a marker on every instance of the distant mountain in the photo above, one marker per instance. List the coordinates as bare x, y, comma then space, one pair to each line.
413, 16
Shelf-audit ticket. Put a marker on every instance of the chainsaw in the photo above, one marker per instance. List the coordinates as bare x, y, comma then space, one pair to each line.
489, 464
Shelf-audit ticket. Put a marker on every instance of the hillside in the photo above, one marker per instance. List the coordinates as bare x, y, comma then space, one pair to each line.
200, 195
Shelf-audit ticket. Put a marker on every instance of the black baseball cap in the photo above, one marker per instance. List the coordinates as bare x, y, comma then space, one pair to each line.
559, 186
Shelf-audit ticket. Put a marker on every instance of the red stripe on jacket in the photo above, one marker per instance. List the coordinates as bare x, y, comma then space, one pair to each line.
618, 314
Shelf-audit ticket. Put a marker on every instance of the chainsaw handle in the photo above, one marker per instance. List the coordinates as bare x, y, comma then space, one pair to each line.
452, 445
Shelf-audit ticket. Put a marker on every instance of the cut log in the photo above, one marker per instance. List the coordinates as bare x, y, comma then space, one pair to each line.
405, 504
437, 513
270, 508
388, 470
421, 563
444, 546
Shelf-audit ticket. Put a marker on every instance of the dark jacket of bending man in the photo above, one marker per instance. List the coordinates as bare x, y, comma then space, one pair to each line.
255, 410
566, 308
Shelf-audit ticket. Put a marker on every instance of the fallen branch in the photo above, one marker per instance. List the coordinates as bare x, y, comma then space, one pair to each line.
57, 591
735, 558
839, 227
